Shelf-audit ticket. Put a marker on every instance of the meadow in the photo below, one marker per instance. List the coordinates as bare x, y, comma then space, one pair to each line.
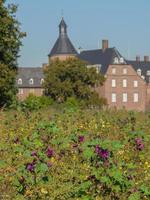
74, 154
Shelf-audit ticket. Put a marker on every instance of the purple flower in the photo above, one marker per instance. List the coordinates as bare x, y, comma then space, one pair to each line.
103, 153
139, 144
49, 164
34, 153
31, 167
81, 138
16, 141
49, 152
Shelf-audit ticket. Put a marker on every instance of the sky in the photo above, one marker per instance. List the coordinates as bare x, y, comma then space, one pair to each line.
125, 23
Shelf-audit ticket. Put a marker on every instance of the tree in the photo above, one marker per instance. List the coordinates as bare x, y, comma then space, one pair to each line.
10, 42
71, 77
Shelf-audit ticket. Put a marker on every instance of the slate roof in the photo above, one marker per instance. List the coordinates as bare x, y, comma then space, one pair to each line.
63, 44
144, 66
35, 73
100, 57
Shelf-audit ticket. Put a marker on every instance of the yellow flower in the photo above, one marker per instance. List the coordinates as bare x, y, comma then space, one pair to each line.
44, 191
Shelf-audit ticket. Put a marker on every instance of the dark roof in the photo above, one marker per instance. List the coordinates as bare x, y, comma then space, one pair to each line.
100, 57
35, 73
63, 44
144, 66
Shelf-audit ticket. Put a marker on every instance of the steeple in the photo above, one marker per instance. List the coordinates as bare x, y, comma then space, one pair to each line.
63, 46
62, 27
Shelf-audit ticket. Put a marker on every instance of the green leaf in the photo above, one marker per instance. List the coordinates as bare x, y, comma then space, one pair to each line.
42, 168
88, 153
134, 196
2, 164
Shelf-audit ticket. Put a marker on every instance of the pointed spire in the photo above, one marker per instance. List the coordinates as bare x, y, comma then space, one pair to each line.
62, 27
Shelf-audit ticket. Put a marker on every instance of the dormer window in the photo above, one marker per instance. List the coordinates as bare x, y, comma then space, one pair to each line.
139, 72
42, 81
121, 60
148, 73
31, 81
116, 60
19, 81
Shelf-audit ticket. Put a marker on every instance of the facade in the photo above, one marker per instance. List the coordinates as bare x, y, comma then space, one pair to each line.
127, 82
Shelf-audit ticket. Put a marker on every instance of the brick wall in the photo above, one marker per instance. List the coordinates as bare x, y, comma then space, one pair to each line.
23, 93
130, 77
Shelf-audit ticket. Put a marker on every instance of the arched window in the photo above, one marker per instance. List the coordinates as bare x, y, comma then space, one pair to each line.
121, 60
42, 81
139, 71
116, 60
19, 81
31, 81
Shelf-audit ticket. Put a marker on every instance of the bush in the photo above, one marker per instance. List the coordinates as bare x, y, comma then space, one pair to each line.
32, 102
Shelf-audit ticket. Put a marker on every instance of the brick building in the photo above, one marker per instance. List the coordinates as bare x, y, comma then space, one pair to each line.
127, 82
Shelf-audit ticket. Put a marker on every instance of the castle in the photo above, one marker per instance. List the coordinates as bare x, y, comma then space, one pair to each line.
127, 82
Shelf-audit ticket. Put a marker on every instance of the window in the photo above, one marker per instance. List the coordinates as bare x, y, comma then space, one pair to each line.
148, 73
20, 91
124, 97
135, 83
135, 97
113, 98
116, 60
139, 72
121, 60
124, 70
42, 81
113, 70
31, 81
19, 81
113, 83
124, 83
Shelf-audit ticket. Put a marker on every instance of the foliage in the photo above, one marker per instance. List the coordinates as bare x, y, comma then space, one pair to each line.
10, 42
7, 89
75, 155
69, 78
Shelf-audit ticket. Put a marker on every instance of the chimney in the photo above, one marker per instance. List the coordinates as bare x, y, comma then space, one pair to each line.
146, 58
105, 45
138, 58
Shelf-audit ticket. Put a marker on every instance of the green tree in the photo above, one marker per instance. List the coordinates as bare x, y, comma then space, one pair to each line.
71, 77
10, 42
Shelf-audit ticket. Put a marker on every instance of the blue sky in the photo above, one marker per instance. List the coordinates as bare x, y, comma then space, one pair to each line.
124, 22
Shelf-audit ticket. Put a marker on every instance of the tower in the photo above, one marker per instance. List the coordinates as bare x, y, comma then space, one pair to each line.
63, 48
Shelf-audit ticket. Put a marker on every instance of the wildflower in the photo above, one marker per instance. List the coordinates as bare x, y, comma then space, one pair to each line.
31, 167
139, 144
49, 152
103, 153
34, 153
81, 138
16, 140
44, 191
49, 164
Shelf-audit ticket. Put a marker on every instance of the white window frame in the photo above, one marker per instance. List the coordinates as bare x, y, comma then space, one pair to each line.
124, 83
31, 81
113, 83
20, 91
19, 81
113, 98
139, 72
135, 83
136, 97
42, 81
124, 70
124, 97
113, 70
116, 60
121, 60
